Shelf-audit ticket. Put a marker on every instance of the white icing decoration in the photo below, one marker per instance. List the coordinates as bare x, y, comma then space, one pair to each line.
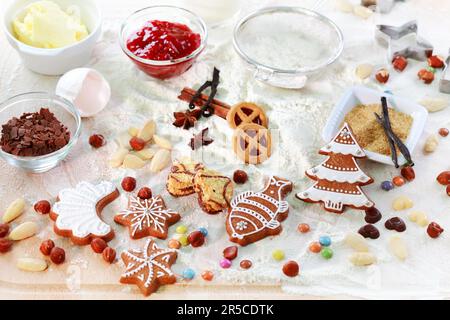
240, 213
147, 213
77, 212
143, 266
337, 145
325, 173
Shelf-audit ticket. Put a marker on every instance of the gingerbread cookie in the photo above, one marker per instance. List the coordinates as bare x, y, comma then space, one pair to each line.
246, 112
180, 181
214, 190
252, 143
77, 212
338, 178
148, 217
149, 268
256, 215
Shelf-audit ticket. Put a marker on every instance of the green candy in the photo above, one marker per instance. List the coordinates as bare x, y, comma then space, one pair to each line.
326, 253
431, 69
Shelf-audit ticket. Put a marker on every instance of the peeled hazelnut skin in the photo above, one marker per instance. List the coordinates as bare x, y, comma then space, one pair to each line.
57, 255
382, 75
128, 184
46, 247
42, 207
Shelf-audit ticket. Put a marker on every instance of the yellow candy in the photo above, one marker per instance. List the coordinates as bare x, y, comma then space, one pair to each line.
278, 255
181, 229
183, 240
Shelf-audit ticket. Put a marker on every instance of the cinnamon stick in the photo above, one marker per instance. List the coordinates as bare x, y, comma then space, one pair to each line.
220, 108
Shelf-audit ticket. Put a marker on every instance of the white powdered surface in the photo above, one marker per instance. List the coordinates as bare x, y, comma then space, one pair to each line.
297, 118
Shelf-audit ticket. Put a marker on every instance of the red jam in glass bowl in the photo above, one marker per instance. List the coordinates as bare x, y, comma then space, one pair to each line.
159, 47
163, 40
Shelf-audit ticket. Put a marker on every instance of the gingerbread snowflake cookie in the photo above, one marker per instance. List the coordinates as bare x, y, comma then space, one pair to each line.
77, 212
180, 181
148, 217
338, 178
149, 268
256, 215
214, 190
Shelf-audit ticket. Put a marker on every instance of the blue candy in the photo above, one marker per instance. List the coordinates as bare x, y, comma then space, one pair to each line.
188, 274
325, 241
387, 185
203, 231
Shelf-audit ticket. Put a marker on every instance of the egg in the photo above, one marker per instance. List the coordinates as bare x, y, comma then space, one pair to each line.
86, 88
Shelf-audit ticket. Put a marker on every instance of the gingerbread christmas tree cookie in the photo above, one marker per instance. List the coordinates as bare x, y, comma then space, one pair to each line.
256, 215
338, 178
77, 212
149, 268
148, 217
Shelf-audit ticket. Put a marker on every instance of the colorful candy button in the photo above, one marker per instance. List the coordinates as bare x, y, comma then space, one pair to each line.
188, 274
326, 253
325, 241
225, 263
278, 255
203, 230
387, 185
315, 247
207, 275
182, 229
183, 240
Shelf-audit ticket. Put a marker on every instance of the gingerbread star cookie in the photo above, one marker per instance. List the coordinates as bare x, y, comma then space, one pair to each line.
149, 268
256, 215
214, 190
77, 212
148, 217
180, 181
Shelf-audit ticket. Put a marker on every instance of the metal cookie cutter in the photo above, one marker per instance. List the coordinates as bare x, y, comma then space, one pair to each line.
395, 38
444, 83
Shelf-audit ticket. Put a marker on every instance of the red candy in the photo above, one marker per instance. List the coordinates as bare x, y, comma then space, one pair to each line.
230, 253
163, 40
434, 230
291, 268
196, 239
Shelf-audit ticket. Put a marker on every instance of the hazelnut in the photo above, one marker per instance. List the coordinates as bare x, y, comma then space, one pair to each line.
98, 245
196, 239
246, 264
443, 132
5, 245
382, 75
145, 193
57, 255
240, 177
435, 62
4, 230
128, 184
408, 173
230, 253
109, 254
46, 247
42, 207
97, 141
426, 76
399, 63
137, 143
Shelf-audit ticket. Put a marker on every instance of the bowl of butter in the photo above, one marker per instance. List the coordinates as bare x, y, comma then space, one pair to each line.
53, 36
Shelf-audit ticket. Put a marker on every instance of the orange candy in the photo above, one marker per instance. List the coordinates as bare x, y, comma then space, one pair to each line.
303, 228
207, 275
174, 244
398, 181
315, 247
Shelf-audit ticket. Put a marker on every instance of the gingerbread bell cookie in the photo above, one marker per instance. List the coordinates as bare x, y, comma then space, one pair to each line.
180, 181
252, 143
214, 190
338, 178
149, 268
147, 217
256, 215
246, 112
77, 212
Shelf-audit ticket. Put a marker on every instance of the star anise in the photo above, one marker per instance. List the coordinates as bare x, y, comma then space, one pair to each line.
186, 119
200, 139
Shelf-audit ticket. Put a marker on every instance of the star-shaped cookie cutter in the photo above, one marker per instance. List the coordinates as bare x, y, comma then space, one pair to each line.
444, 83
391, 36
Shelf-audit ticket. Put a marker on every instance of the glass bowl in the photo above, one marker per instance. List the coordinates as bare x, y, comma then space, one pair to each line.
32, 102
166, 68
284, 46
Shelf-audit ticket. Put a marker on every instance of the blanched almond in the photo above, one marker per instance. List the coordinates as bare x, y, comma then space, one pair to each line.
132, 131
15, 209
363, 71
357, 242
123, 140
32, 264
362, 258
344, 6
145, 154
434, 104
133, 162
23, 231
362, 12
118, 157
162, 142
160, 160
398, 247
147, 131
431, 143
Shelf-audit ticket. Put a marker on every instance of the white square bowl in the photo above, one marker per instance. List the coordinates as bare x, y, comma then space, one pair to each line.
363, 95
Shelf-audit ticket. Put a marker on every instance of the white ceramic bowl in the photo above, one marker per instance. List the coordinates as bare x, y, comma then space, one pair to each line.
60, 60
363, 95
